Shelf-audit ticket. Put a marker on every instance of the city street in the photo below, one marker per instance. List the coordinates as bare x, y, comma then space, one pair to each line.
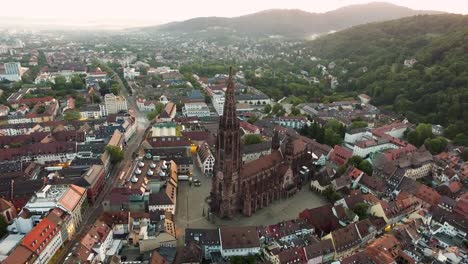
95, 210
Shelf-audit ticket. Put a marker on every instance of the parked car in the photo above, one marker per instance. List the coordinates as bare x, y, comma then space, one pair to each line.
197, 182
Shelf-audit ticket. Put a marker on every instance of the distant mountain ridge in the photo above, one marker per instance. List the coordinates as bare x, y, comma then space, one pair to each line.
292, 22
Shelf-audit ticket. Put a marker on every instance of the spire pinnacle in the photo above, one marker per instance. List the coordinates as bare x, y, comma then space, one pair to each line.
230, 83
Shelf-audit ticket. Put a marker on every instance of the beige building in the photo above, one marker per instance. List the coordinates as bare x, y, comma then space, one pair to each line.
113, 104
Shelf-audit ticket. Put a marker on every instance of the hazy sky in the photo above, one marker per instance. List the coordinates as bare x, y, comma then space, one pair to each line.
171, 10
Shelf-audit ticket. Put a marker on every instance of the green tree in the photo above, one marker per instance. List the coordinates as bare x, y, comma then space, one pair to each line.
115, 88
436, 145
366, 167
252, 119
361, 210
355, 161
332, 138
157, 110
277, 108
251, 139
41, 109
451, 131
60, 83
358, 124
251, 259
461, 139
72, 115
465, 155
116, 153
267, 109
330, 194
420, 134
295, 111
77, 83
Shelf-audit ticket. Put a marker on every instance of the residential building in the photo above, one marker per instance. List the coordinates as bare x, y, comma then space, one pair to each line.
4, 110
64, 221
130, 73
95, 177
196, 109
145, 105
239, 241
95, 244
205, 159
320, 252
218, 102
113, 104
168, 113
365, 99
294, 122
208, 239
44, 240
92, 111
68, 197
21, 255
11, 71
8, 210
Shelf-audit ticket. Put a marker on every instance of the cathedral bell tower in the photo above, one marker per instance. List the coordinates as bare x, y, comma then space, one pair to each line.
225, 186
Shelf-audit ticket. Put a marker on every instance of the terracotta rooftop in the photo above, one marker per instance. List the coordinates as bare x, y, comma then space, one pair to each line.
72, 197
40, 236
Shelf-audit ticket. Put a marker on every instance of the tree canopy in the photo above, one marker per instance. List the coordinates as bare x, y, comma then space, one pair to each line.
433, 89
116, 153
251, 139
72, 115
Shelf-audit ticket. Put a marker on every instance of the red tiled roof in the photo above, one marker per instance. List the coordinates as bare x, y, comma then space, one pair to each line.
249, 127
72, 197
340, 155
40, 236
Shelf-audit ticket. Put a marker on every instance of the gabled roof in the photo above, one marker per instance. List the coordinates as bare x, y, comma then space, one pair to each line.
346, 238
292, 255
340, 155
40, 236
321, 248
321, 218
204, 152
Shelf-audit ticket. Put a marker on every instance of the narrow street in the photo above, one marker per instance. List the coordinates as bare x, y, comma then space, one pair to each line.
95, 210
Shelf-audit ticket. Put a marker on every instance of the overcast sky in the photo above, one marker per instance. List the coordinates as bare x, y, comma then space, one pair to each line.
173, 10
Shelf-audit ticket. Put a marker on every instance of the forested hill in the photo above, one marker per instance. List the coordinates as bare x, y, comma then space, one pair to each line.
371, 57
290, 23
